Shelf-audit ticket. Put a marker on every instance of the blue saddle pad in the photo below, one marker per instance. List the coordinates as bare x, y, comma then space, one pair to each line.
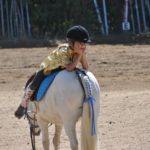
45, 85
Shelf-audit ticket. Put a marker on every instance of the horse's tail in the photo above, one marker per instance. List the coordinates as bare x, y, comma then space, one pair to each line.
88, 141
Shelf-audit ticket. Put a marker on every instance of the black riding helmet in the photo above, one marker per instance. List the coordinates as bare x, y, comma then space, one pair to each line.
78, 33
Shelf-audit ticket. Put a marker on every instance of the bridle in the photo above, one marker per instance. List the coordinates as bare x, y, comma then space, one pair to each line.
33, 126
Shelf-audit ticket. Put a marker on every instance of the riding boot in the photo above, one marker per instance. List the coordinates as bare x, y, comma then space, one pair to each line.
24, 103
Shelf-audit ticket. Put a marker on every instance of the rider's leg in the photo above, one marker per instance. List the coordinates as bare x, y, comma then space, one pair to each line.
29, 92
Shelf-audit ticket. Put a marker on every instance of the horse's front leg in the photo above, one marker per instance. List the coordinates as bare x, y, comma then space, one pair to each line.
45, 136
56, 139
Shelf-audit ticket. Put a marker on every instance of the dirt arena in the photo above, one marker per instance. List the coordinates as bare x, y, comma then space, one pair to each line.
123, 72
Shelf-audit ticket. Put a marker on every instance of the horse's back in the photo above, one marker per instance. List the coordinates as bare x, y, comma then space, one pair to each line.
68, 86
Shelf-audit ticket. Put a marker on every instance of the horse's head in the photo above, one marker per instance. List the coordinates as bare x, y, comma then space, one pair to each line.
32, 119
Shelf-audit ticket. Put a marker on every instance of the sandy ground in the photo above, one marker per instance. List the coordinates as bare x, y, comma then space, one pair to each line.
123, 72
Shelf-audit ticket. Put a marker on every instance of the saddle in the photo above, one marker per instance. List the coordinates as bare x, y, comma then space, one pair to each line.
41, 90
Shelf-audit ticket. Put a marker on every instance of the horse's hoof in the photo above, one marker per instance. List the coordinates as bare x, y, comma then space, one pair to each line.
19, 113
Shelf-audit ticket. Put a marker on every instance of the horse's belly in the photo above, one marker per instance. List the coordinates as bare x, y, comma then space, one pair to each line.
50, 117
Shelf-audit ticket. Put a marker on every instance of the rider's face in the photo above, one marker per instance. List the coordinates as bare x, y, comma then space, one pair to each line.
79, 47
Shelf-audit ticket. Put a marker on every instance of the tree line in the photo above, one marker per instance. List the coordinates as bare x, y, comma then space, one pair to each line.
51, 18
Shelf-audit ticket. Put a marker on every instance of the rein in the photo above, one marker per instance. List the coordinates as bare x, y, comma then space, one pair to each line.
32, 129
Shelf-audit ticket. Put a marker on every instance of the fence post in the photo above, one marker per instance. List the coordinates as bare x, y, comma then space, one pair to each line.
28, 20
143, 15
99, 17
8, 21
137, 15
132, 16
16, 26
147, 3
2, 18
22, 18
126, 23
105, 17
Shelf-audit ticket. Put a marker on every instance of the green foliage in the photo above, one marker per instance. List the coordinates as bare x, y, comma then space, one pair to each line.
115, 15
51, 18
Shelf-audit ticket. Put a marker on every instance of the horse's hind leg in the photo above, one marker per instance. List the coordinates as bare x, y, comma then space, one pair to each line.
56, 139
71, 133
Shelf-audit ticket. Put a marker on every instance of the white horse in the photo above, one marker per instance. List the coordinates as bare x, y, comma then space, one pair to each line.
63, 105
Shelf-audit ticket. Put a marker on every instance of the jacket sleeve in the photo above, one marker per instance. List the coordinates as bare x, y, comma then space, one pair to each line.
57, 58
